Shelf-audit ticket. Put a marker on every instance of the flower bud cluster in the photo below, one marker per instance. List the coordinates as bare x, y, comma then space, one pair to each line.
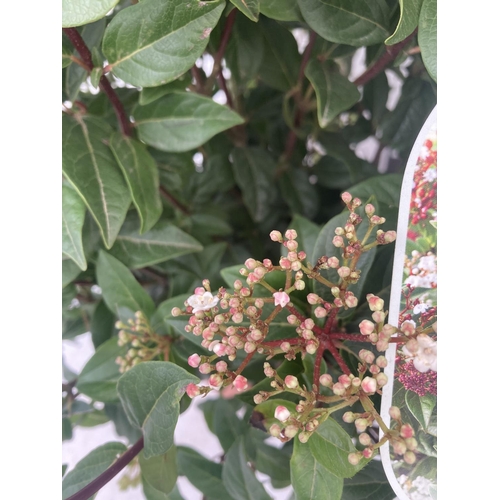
376, 332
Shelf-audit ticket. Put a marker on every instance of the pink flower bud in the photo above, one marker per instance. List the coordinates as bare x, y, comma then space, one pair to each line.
374, 369
399, 447
304, 437
354, 458
268, 371
249, 347
326, 380
348, 417
366, 327
338, 241
176, 311
251, 264
292, 319
237, 284
320, 312
344, 271
381, 379
381, 361
345, 380
260, 272
301, 255
285, 263
221, 366
291, 234
194, 360
205, 368
333, 262
411, 443
290, 431
285, 346
311, 346
291, 382
219, 349
281, 299
275, 430
351, 301
367, 453
378, 316
296, 266
258, 399
300, 284
365, 439
408, 328
369, 209
215, 380
361, 424
237, 317
338, 389
292, 245
409, 457
346, 197
395, 413
389, 236
240, 383
375, 303
267, 263
276, 236
406, 431
312, 298
192, 390
199, 290
356, 382
282, 413
369, 385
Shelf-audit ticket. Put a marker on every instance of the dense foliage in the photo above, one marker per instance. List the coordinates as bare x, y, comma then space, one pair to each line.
191, 131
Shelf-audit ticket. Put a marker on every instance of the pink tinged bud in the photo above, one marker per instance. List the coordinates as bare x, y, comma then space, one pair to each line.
326, 380
251, 264
348, 417
301, 255
281, 299
249, 347
367, 356
292, 245
406, 431
369, 209
291, 234
338, 302
268, 371
276, 236
192, 390
320, 312
382, 379
312, 298
365, 439
259, 303
373, 337
282, 413
382, 345
237, 284
215, 381
374, 369
333, 262
260, 272
307, 334
369, 385
354, 458
345, 380
176, 311
411, 347
205, 368
291, 382
356, 382
243, 271
219, 349
240, 383
199, 290
219, 319
381, 361
194, 360
409, 457
375, 303
389, 236
411, 443
311, 346
395, 413
361, 424
343, 271
255, 335
366, 327
399, 447
378, 316
285, 263
292, 319
356, 202
346, 197
300, 285
221, 366
237, 318
213, 326
408, 328
338, 241
351, 301
285, 346
304, 437
257, 399
338, 389
296, 266
275, 430
224, 304
267, 263
290, 431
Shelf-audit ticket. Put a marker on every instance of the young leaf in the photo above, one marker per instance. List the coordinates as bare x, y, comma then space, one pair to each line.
408, 20
159, 474
141, 173
239, 479
91, 466
90, 167
334, 92
427, 36
100, 375
249, 7
163, 242
154, 42
120, 290
253, 170
181, 121
352, 22
73, 216
310, 480
79, 12
150, 393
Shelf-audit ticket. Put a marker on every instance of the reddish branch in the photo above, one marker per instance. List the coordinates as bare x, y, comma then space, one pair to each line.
79, 44
330, 346
174, 201
391, 52
317, 365
93, 487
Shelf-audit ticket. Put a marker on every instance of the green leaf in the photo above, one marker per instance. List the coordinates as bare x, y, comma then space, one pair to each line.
150, 94
227, 426
67, 429
427, 36
330, 446
182, 121
69, 271
408, 20
334, 92
90, 467
368, 484
298, 192
249, 7
73, 216
202, 473
352, 22
281, 10
100, 375
154, 42
380, 189
141, 173
310, 480
273, 461
90, 167
238, 478
163, 242
253, 170
120, 290
79, 12
95, 76
150, 393
159, 474
421, 407
102, 324
123, 427
67, 51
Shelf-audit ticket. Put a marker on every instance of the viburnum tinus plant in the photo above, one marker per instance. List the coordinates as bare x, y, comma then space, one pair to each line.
191, 132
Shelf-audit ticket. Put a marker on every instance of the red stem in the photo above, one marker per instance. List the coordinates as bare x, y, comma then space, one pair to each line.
80, 46
316, 329
317, 365
329, 345
174, 201
94, 486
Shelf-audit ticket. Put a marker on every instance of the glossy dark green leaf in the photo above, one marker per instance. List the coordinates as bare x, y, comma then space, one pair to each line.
249, 7
90, 167
298, 192
100, 375
281, 10
69, 271
163, 242
330, 446
353, 22
380, 189
182, 121
79, 12
73, 216
159, 474
238, 478
150, 94
310, 479
120, 290
202, 473
141, 173
370, 483
427, 36
253, 170
408, 20
154, 42
150, 393
421, 407
102, 324
334, 92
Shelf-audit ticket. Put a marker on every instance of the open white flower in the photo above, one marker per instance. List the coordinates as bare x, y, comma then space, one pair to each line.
202, 302
423, 353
